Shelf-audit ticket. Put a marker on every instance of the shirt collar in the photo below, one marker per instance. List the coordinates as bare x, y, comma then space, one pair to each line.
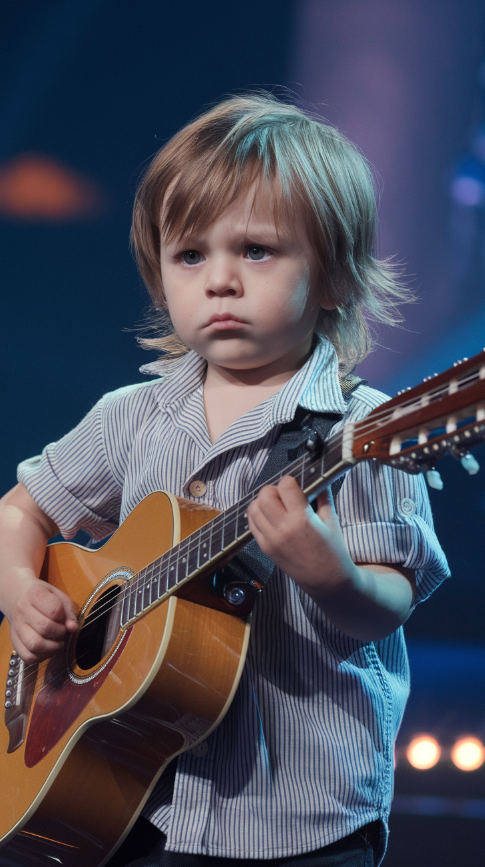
315, 386
180, 376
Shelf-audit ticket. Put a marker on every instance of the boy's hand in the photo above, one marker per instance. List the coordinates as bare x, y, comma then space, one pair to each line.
308, 546
40, 620
40, 616
367, 602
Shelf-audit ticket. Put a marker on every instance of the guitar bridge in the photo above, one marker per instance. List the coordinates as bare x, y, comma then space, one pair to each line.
19, 691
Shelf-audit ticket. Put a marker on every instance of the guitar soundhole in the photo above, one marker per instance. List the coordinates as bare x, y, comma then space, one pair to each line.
99, 631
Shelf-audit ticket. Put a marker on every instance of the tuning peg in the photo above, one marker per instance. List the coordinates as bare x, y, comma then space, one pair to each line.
469, 463
434, 480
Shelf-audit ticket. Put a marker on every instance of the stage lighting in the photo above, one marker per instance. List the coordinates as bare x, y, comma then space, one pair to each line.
468, 754
423, 752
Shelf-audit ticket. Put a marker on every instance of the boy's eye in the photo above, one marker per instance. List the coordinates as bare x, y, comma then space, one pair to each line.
256, 253
191, 257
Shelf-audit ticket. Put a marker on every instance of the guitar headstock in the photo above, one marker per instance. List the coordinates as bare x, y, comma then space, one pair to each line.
446, 413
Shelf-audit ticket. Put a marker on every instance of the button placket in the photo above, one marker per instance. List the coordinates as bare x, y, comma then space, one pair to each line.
406, 506
197, 488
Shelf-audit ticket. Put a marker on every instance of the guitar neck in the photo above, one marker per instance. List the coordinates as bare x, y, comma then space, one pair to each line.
411, 431
222, 537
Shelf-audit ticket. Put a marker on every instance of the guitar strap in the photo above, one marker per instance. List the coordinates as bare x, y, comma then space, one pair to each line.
251, 562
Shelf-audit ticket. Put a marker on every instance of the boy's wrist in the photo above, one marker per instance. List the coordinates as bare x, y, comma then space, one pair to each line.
14, 586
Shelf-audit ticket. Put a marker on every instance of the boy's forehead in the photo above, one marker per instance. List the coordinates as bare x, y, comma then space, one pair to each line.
261, 210
258, 208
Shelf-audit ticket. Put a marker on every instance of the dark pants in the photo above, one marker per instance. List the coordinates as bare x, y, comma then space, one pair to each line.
145, 847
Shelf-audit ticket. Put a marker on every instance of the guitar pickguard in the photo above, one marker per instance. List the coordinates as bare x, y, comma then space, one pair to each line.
59, 701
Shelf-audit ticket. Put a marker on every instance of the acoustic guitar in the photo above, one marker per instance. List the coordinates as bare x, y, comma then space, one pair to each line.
162, 639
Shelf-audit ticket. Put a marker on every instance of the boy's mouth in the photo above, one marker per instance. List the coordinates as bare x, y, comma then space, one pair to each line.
225, 321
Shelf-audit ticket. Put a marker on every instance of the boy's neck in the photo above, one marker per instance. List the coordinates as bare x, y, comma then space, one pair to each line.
230, 394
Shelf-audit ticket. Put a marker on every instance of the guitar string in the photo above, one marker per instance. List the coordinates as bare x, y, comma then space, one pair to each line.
40, 668
435, 393
369, 420
184, 547
181, 548
227, 521
109, 605
432, 394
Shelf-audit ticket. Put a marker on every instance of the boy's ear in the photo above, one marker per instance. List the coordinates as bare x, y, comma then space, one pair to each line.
325, 302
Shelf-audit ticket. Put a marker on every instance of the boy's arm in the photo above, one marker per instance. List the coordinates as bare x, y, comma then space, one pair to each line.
367, 601
40, 615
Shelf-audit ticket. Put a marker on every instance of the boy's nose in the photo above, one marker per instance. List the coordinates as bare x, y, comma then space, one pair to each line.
223, 279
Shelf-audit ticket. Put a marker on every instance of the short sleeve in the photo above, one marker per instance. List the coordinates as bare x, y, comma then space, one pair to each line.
73, 481
386, 517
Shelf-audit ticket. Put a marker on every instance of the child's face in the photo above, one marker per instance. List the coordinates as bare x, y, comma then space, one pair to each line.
241, 294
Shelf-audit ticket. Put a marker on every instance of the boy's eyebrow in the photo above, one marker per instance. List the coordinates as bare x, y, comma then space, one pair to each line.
247, 233
182, 239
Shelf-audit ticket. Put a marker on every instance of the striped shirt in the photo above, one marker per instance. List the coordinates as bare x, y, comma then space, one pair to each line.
304, 755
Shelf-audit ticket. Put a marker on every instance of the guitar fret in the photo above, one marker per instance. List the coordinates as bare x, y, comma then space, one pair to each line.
216, 541
139, 594
152, 583
145, 587
125, 607
132, 608
241, 519
204, 544
184, 560
156, 579
171, 569
209, 544
193, 554
162, 578
230, 528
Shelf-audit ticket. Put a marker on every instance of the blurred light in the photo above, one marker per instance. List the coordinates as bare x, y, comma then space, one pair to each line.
467, 191
423, 752
468, 754
35, 187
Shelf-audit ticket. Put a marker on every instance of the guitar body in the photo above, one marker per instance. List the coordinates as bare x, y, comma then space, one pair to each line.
160, 650
79, 764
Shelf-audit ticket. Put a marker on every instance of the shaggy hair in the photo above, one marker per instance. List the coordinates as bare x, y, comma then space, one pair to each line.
319, 180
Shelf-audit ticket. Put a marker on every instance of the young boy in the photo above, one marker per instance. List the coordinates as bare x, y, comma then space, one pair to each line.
254, 228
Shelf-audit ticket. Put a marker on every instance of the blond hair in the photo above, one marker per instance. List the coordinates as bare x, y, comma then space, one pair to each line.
322, 181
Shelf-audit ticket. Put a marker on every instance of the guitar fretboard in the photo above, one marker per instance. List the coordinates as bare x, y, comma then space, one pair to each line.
227, 533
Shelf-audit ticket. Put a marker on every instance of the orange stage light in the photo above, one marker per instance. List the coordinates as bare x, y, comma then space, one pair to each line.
36, 187
468, 754
423, 752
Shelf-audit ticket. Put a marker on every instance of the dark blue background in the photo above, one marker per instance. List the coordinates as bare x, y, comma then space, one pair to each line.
100, 86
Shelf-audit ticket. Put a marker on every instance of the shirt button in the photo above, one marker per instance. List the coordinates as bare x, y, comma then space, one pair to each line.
197, 488
406, 506
200, 750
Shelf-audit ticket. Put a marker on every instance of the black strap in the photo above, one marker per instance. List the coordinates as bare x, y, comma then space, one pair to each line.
289, 445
